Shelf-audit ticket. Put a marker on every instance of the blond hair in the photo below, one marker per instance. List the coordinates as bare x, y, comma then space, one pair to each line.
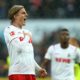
14, 10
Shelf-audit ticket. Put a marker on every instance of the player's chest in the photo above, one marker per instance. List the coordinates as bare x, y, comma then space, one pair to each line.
63, 55
19, 32
23, 35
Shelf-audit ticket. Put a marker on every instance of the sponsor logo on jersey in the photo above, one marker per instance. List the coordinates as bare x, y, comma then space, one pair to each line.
64, 60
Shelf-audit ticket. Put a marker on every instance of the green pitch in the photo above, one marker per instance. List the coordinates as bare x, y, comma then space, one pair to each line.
48, 78
37, 78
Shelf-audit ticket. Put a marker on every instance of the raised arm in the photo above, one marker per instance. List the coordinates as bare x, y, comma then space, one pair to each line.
12, 38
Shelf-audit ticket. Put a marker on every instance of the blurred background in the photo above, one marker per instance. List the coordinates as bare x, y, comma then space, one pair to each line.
46, 17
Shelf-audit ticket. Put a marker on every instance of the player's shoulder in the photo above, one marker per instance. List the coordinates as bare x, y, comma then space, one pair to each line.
72, 46
53, 46
9, 28
57, 45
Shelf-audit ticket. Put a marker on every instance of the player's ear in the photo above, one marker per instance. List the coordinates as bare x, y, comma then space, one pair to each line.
14, 16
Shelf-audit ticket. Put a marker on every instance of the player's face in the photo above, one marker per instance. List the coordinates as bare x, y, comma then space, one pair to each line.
64, 36
21, 17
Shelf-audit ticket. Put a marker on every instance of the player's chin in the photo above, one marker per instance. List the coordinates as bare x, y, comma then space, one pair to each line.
24, 24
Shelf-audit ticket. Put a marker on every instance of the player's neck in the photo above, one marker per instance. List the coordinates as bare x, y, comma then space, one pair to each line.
16, 25
64, 45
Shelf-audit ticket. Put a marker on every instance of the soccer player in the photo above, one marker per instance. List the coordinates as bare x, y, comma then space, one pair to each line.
74, 42
19, 43
62, 57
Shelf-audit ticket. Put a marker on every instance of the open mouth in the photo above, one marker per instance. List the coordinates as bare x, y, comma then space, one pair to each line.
24, 19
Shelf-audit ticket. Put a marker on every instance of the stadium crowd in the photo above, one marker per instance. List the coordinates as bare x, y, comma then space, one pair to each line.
44, 8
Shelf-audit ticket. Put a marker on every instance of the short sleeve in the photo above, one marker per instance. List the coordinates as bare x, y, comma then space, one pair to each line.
49, 53
9, 35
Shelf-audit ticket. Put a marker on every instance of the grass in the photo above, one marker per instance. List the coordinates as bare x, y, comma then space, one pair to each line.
37, 78
48, 78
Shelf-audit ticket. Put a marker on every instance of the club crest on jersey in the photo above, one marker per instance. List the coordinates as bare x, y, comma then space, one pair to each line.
12, 33
69, 55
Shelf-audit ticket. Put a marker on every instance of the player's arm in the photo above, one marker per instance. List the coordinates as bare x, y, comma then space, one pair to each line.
47, 57
37, 66
41, 70
14, 39
45, 63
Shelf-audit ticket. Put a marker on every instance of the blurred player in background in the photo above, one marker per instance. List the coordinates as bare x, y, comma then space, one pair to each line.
62, 57
19, 43
74, 42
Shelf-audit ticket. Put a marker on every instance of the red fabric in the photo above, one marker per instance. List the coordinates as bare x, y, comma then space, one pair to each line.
12, 33
21, 38
30, 41
22, 77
